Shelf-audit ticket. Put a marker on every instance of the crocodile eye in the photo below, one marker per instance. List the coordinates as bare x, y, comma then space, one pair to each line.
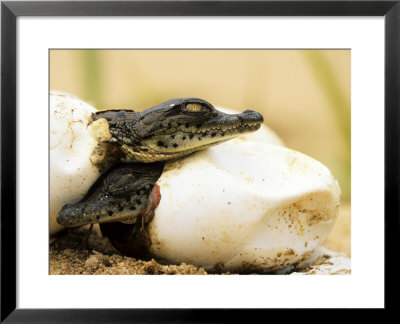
193, 107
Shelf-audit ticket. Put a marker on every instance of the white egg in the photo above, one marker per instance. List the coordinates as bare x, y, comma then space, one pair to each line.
243, 205
247, 204
71, 146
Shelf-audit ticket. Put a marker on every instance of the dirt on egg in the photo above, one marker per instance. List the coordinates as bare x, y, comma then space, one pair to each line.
68, 256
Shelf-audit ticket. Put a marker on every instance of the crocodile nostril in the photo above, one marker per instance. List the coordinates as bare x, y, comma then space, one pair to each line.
254, 115
61, 218
259, 117
251, 115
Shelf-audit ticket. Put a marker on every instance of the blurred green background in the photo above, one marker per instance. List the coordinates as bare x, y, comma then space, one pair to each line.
304, 95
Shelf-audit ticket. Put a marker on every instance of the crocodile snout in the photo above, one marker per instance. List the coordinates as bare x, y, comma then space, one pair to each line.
252, 116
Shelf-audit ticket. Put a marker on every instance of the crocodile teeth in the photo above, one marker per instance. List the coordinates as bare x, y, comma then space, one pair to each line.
249, 202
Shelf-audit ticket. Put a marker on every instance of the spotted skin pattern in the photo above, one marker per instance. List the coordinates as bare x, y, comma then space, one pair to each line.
174, 129
171, 130
120, 194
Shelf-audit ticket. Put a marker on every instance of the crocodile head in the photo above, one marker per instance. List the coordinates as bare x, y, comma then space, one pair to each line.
125, 193
175, 128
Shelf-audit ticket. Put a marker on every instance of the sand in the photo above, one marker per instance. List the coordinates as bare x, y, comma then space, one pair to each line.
69, 256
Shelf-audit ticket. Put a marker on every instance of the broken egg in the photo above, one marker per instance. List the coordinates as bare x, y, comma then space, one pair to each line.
243, 206
247, 204
71, 146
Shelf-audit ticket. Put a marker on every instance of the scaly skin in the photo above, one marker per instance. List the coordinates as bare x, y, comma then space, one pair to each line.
121, 194
175, 128
170, 130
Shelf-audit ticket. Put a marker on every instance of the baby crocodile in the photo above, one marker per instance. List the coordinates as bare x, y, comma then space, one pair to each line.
121, 194
175, 128
170, 130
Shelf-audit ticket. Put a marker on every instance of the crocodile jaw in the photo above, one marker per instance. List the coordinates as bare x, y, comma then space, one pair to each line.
182, 143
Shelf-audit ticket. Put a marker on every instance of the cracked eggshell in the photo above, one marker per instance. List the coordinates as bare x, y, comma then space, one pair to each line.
249, 203
71, 170
74, 150
243, 206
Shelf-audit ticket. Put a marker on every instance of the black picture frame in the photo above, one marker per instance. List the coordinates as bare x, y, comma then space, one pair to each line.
10, 10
